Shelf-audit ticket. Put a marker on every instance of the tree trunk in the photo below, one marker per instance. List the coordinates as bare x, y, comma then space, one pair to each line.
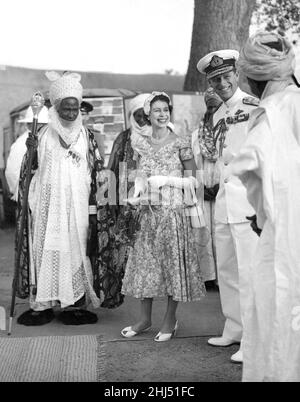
218, 24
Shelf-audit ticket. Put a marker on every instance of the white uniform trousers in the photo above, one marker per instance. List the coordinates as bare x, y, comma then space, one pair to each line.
235, 243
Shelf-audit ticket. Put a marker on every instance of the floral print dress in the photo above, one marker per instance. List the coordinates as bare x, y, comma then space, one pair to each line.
166, 257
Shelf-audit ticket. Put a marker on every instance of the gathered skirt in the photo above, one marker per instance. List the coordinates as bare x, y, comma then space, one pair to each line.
167, 257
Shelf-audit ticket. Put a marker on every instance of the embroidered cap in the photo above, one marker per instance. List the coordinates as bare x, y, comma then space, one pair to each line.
64, 86
218, 62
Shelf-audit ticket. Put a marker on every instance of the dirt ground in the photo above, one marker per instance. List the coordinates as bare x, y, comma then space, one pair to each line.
186, 358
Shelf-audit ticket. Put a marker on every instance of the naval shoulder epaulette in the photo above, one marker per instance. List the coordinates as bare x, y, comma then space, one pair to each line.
250, 100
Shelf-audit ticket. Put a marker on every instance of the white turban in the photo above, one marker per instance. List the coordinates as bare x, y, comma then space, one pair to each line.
65, 86
260, 62
62, 87
135, 104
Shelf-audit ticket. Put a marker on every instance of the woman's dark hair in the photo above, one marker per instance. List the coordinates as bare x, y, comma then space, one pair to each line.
162, 98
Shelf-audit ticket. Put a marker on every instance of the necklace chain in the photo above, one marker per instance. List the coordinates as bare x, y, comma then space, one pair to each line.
64, 144
159, 140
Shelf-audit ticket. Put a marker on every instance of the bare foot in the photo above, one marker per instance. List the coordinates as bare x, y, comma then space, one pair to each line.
168, 326
141, 326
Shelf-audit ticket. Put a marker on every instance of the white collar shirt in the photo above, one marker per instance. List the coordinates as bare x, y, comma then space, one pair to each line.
232, 205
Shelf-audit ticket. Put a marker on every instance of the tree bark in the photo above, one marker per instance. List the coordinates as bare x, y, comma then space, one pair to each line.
218, 24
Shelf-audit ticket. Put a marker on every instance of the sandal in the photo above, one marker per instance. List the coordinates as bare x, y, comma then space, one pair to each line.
128, 332
160, 337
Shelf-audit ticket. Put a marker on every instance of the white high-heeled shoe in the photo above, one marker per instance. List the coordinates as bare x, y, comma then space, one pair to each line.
128, 332
166, 337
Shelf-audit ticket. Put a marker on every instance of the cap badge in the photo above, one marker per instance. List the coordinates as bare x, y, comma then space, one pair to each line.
216, 61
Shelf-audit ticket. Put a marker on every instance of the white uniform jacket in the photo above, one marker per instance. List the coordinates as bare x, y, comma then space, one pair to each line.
230, 122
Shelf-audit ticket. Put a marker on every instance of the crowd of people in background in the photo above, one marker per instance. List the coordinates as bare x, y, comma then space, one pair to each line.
177, 210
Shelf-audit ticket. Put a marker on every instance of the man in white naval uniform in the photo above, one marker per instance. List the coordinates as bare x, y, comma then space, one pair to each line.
235, 240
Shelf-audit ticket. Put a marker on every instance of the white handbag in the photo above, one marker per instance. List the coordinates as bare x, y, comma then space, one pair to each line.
196, 214
196, 211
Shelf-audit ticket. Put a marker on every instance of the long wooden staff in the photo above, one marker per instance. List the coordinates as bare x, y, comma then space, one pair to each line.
36, 105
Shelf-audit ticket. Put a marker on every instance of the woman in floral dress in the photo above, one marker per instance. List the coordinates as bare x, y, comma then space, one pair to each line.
165, 260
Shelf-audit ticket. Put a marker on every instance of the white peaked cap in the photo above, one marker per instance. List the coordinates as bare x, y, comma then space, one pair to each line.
218, 62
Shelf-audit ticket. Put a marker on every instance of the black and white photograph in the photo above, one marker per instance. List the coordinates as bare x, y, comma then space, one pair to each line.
150, 194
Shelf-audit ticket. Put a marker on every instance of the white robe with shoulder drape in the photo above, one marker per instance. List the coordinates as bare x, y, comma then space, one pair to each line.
269, 167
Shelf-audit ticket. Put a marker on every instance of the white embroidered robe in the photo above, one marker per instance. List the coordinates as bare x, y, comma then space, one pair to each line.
58, 200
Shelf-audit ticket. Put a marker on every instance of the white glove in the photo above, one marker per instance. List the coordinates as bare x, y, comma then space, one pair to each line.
140, 186
183, 182
158, 181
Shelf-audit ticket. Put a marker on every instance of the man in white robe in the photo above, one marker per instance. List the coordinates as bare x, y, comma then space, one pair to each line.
60, 212
269, 167
18, 150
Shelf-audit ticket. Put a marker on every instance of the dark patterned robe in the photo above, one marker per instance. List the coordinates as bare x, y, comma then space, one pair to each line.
117, 225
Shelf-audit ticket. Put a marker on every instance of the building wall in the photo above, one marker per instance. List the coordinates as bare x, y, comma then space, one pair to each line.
17, 85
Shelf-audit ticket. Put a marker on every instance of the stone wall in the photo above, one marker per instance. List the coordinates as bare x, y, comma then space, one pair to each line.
17, 85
